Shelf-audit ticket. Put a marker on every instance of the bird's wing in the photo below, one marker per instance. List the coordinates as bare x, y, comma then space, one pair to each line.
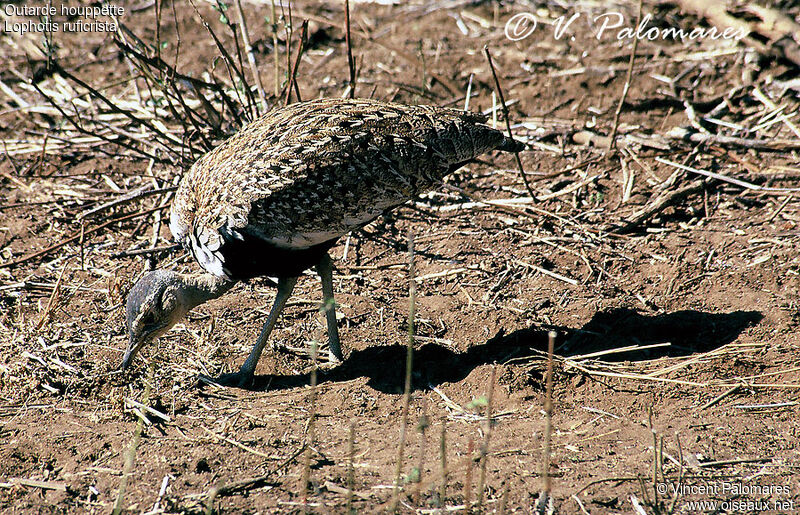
313, 171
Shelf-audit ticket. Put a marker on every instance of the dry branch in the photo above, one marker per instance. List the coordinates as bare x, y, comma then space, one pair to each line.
76, 236
507, 117
661, 202
774, 145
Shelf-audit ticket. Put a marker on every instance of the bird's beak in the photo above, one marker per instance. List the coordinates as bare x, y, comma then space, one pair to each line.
134, 345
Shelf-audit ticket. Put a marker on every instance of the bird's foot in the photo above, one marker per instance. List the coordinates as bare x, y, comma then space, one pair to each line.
238, 379
333, 359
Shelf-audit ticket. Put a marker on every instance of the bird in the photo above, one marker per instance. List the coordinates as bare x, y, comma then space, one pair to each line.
275, 197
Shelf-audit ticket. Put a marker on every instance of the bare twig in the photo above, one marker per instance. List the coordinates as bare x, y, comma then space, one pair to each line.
144, 191
258, 481
626, 87
443, 459
350, 64
487, 435
659, 204
144, 252
773, 145
306, 480
35, 483
76, 236
351, 451
725, 178
468, 476
228, 60
544, 497
251, 58
409, 364
53, 295
293, 69
130, 453
507, 116
276, 64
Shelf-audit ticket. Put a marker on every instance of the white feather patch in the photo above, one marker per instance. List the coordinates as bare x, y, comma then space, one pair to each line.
210, 261
177, 227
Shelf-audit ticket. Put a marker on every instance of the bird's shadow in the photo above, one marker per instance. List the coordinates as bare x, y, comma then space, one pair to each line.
685, 332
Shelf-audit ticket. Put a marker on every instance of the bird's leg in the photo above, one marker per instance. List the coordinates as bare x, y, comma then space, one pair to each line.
244, 377
325, 271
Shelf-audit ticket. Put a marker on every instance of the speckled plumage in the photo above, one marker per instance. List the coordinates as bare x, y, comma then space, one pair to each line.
275, 196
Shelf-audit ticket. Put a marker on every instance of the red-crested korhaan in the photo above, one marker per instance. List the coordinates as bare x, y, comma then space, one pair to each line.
276, 196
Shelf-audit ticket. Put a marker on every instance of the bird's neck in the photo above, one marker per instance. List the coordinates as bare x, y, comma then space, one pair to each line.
199, 288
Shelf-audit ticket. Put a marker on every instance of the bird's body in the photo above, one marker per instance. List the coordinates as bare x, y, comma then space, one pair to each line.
275, 197
304, 175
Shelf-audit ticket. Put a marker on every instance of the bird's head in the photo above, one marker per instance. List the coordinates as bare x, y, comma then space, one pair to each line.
154, 305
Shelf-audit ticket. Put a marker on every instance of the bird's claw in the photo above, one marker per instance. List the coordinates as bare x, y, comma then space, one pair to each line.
234, 380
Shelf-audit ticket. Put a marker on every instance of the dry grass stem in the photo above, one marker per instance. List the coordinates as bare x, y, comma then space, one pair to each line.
409, 366
507, 117
629, 76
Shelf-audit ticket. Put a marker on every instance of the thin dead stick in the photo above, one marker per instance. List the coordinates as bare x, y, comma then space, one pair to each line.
764, 99
49, 307
258, 481
165, 82
612, 139
409, 364
486, 439
306, 479
236, 444
351, 451
780, 208
77, 236
552, 274
544, 498
719, 397
251, 58
275, 58
422, 426
144, 252
661, 204
469, 91
443, 459
35, 483
82, 241
130, 453
227, 59
173, 76
725, 178
508, 120
293, 74
468, 476
80, 129
350, 64
129, 114
288, 29
138, 193
774, 145
40, 165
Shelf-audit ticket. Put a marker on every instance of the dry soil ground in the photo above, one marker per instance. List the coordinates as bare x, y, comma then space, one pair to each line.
680, 332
